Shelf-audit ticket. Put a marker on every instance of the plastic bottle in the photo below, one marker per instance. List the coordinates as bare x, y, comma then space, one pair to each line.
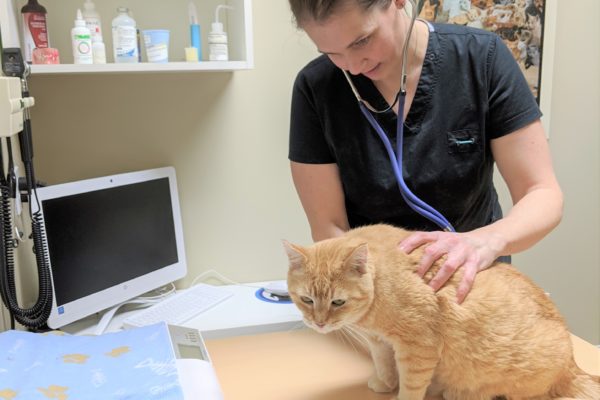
125, 44
217, 39
35, 28
98, 50
92, 19
81, 38
195, 30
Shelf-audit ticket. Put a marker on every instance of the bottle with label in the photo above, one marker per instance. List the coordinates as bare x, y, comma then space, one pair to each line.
92, 19
217, 39
81, 38
125, 44
35, 28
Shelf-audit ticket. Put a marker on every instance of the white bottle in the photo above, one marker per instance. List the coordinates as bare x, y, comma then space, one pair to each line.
217, 39
92, 19
98, 50
125, 49
81, 39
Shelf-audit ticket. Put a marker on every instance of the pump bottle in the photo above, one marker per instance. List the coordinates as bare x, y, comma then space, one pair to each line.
35, 29
81, 38
217, 39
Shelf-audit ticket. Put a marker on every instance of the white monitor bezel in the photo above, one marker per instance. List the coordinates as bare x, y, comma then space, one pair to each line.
112, 296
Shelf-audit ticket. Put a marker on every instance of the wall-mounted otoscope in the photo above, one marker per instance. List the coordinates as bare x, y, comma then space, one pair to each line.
14, 120
12, 102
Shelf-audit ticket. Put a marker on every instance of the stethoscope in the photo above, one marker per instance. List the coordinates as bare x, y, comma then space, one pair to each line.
412, 200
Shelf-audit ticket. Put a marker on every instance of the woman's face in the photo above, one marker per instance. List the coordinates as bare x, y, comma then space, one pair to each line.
361, 42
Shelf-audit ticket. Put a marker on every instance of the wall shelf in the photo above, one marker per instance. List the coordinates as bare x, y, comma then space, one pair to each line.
149, 14
139, 67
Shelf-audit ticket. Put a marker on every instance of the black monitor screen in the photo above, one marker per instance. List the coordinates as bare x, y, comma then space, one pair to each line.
101, 238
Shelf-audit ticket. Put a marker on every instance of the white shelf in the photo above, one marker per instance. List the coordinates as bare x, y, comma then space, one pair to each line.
140, 67
149, 14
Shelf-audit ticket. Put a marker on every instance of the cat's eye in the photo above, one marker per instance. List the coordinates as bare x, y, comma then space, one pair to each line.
338, 302
307, 300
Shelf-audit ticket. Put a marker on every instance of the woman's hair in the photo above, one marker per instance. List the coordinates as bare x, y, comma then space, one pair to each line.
320, 10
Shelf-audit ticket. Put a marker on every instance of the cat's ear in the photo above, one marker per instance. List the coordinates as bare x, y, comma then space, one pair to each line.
295, 254
357, 261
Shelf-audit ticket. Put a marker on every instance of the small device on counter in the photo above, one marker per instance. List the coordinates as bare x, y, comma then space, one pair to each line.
194, 366
188, 343
274, 292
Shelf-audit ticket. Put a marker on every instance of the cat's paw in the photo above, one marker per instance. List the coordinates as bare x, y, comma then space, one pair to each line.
379, 386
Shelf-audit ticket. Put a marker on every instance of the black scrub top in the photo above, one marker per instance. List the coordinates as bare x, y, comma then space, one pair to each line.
471, 91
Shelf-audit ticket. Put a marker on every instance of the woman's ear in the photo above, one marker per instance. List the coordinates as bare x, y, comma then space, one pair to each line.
399, 4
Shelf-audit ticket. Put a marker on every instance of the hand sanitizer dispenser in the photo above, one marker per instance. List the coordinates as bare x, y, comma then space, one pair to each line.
217, 38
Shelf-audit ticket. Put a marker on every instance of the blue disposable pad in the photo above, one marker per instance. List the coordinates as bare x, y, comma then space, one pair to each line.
132, 364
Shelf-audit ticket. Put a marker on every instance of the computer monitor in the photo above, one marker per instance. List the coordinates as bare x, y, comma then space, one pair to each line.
111, 239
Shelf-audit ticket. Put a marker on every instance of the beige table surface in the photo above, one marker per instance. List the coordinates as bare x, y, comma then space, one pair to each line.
305, 365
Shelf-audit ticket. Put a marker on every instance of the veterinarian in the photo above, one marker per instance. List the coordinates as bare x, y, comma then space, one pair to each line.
466, 107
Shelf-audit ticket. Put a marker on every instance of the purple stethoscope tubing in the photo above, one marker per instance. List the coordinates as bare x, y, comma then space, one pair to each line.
413, 201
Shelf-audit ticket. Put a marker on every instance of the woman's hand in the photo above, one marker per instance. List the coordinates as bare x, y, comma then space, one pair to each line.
463, 250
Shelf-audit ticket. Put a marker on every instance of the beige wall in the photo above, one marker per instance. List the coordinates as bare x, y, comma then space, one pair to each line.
226, 135
567, 262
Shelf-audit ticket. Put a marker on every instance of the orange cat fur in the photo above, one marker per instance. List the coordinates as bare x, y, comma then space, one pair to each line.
506, 338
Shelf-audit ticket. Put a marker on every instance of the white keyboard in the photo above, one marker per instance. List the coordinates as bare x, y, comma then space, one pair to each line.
180, 307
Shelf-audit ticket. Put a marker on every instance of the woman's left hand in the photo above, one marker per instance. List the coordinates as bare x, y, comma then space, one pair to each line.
463, 250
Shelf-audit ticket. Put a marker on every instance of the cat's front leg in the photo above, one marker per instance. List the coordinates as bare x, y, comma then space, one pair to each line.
416, 366
385, 377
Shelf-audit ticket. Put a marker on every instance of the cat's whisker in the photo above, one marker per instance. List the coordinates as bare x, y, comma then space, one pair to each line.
347, 339
353, 337
340, 335
360, 334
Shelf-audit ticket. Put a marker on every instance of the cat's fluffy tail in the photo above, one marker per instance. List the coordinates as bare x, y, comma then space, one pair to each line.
579, 385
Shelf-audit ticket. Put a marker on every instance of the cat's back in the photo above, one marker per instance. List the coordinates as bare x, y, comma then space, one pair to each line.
508, 290
383, 241
500, 290
377, 236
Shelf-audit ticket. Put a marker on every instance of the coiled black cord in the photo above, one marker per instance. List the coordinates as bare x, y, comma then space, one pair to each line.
37, 315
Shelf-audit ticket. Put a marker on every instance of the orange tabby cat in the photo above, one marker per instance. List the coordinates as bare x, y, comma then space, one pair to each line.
506, 338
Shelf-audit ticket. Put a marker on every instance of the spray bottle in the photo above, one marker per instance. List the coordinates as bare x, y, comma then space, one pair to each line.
217, 38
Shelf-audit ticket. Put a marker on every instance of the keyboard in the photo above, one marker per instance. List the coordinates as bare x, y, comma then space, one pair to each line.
180, 307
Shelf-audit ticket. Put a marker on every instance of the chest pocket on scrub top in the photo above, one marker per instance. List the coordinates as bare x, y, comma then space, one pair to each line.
463, 141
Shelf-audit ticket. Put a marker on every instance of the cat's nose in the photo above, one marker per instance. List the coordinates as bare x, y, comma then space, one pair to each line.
320, 324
